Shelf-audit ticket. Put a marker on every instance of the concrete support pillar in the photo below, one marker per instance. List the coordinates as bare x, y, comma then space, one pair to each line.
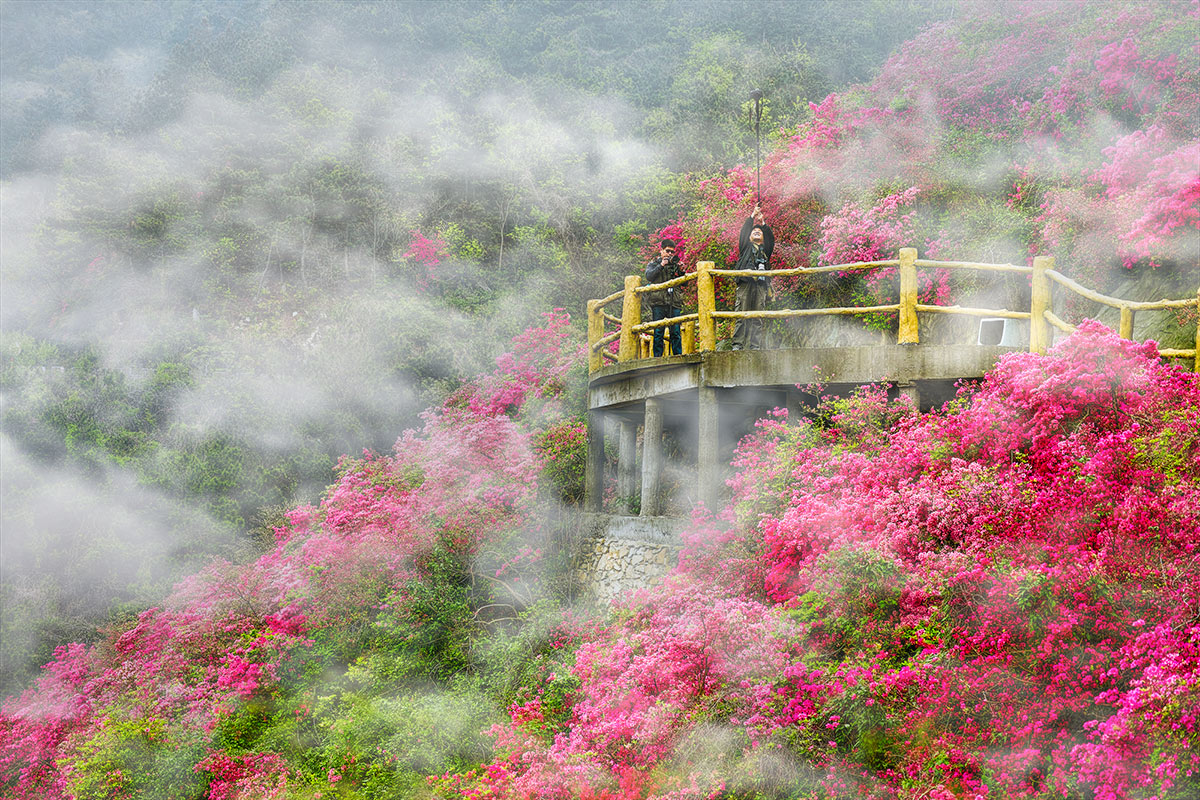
708, 467
652, 459
627, 462
910, 391
593, 477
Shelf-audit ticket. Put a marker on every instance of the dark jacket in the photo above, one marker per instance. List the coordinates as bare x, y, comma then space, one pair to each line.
748, 257
658, 272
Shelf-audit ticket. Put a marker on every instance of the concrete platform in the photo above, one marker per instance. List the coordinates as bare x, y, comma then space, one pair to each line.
631, 382
708, 401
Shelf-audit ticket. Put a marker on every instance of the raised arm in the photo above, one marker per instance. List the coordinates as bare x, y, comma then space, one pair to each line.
744, 236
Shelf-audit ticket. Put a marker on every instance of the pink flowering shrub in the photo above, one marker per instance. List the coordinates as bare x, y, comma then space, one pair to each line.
425, 251
877, 234
253, 776
563, 450
1012, 130
1153, 184
426, 254
852, 235
998, 600
219, 675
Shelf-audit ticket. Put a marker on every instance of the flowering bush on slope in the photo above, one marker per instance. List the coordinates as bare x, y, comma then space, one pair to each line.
215, 693
1023, 128
1001, 600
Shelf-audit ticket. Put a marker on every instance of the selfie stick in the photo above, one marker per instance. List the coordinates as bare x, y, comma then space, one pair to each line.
756, 115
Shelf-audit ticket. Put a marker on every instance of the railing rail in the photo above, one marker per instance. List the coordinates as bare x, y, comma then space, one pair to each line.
699, 327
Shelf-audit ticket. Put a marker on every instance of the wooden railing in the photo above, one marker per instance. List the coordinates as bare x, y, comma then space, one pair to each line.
698, 330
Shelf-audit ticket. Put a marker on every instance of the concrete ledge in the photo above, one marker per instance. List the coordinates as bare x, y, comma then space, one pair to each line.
855, 365
632, 382
643, 529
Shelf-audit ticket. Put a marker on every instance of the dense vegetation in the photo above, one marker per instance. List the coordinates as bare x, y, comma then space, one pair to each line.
243, 239
275, 240
999, 599
1070, 130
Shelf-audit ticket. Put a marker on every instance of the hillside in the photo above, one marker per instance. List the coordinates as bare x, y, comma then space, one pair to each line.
1013, 130
242, 239
996, 599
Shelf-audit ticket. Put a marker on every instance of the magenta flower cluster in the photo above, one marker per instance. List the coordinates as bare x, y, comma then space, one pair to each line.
238, 635
1000, 600
1079, 119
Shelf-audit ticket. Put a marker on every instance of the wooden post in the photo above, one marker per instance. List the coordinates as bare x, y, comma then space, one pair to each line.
908, 333
1039, 329
595, 334
1126, 331
706, 303
652, 461
631, 314
687, 337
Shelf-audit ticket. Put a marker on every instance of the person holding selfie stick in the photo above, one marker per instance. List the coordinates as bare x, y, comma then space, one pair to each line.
756, 242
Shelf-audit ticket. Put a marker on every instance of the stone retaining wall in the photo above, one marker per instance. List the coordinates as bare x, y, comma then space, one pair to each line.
623, 554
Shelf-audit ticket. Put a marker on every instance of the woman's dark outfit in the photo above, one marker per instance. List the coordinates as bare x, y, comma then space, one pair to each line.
752, 292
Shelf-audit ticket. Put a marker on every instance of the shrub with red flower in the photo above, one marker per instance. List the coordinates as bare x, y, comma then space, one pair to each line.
230, 655
998, 600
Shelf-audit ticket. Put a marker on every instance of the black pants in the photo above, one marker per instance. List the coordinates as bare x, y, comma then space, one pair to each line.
751, 296
663, 312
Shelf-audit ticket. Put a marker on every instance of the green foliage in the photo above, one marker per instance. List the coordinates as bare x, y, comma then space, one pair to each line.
1170, 451
563, 448
425, 629
135, 756
377, 740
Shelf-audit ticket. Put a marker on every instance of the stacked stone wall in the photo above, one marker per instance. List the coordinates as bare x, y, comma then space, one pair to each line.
620, 555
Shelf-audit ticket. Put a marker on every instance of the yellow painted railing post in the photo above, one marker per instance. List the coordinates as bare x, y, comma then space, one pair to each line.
706, 304
908, 333
688, 337
595, 334
631, 314
1126, 331
1039, 329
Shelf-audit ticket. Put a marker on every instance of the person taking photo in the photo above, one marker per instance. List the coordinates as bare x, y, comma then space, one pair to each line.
665, 303
755, 245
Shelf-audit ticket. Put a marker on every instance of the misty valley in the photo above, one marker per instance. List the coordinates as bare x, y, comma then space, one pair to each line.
307, 310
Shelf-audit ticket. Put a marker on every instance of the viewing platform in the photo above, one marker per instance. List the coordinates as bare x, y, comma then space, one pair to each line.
703, 401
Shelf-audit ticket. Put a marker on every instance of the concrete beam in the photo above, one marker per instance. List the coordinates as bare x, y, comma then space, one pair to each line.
627, 384
853, 365
634, 386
